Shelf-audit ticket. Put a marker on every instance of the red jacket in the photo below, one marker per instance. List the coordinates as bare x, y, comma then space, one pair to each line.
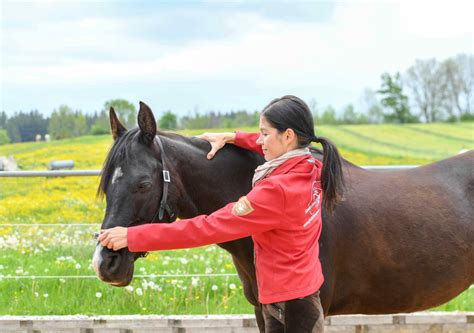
282, 213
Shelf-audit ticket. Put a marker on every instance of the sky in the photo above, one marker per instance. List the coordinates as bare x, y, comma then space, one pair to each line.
189, 56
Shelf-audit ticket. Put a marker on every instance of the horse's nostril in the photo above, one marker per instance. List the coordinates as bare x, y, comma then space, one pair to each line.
114, 263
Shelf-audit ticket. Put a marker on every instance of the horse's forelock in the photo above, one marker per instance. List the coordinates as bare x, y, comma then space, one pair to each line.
117, 153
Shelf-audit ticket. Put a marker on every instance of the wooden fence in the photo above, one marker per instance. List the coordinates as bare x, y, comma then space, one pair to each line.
436, 322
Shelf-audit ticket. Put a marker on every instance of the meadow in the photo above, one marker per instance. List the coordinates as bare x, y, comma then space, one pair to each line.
166, 283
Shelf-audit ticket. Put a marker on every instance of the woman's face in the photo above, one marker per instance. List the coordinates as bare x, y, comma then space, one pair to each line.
274, 144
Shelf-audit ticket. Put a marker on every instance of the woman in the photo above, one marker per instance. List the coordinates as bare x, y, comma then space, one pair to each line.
282, 213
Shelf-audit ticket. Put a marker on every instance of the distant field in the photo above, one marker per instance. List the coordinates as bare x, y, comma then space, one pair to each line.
360, 144
40, 250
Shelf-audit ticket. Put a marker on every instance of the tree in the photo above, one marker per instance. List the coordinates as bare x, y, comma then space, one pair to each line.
375, 114
4, 139
372, 107
65, 123
328, 117
459, 73
125, 110
3, 120
429, 87
25, 126
101, 124
393, 98
168, 121
313, 106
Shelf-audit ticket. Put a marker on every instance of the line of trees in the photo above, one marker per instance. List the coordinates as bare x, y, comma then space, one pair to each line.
428, 91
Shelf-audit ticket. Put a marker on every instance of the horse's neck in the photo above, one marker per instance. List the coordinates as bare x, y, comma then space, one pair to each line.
207, 185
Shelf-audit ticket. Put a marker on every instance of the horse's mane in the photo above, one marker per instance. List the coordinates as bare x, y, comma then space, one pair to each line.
119, 150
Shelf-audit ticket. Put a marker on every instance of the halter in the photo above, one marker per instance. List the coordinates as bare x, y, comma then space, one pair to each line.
163, 204
166, 181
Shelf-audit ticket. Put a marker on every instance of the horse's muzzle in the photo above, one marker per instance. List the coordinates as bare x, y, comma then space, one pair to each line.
113, 267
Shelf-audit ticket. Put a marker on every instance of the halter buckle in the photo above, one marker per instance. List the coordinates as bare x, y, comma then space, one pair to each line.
166, 176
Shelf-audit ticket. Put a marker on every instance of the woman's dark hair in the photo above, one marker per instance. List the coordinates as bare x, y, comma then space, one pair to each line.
292, 112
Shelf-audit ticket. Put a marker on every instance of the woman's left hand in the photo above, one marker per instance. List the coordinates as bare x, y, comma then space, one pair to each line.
114, 238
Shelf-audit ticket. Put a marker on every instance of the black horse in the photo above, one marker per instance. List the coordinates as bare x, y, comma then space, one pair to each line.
400, 241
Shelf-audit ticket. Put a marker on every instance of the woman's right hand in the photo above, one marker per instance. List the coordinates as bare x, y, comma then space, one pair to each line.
217, 141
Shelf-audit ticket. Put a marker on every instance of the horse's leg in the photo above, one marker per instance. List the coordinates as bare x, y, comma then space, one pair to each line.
259, 317
243, 257
246, 272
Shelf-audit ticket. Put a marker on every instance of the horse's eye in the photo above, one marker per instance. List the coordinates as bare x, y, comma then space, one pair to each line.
145, 186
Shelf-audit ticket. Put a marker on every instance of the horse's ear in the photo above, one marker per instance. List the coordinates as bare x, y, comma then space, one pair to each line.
117, 128
147, 123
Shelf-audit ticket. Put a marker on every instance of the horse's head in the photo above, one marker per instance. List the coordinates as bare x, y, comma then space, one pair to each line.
132, 182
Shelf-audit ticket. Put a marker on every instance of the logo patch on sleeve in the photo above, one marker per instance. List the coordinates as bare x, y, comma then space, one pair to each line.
242, 207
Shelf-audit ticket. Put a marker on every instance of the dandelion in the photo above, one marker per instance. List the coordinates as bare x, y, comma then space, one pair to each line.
232, 286
46, 295
139, 291
98, 294
173, 282
145, 284
62, 280
214, 287
78, 266
129, 289
142, 269
36, 294
184, 261
194, 281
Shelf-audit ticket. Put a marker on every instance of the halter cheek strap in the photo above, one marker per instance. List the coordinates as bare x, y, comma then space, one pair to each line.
166, 182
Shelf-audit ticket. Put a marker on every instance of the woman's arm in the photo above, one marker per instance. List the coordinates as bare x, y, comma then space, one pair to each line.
261, 210
248, 141
240, 139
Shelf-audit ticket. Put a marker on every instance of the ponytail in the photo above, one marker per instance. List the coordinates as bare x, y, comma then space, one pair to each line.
332, 179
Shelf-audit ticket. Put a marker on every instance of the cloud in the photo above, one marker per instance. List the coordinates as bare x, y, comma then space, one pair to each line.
332, 57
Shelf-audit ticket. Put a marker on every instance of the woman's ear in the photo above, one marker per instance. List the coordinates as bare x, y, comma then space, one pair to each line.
290, 134
291, 137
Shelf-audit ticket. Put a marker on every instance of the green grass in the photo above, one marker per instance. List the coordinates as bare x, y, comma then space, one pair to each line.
33, 250
40, 251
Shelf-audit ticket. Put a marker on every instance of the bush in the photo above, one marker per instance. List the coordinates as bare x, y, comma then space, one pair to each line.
4, 139
467, 117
